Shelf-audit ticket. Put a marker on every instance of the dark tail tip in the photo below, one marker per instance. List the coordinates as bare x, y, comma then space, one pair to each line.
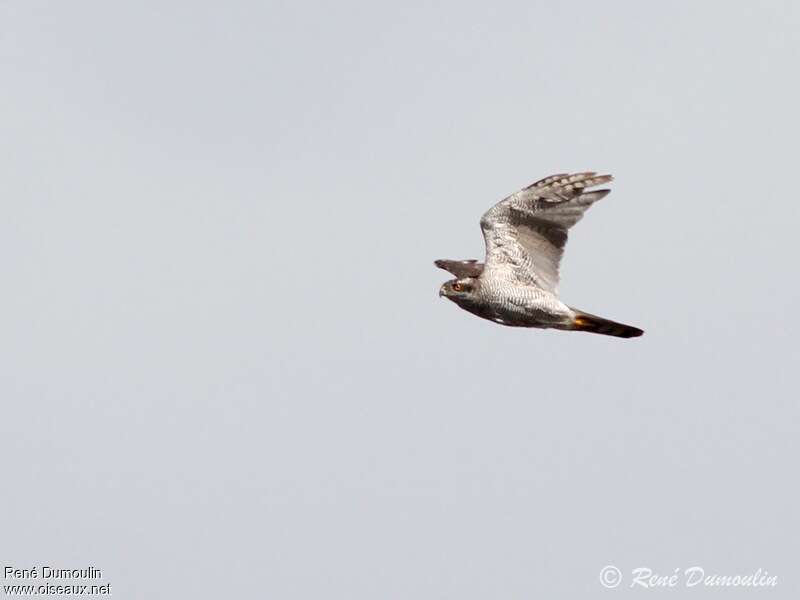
593, 324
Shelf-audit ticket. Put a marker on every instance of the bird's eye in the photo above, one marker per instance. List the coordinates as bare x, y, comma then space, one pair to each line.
458, 287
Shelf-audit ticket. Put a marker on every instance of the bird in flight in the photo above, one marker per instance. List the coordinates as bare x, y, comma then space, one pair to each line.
525, 235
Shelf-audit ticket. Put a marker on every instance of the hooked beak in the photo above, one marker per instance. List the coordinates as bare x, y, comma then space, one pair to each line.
441, 292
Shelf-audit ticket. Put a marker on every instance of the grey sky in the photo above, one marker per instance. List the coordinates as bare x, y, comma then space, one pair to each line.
224, 367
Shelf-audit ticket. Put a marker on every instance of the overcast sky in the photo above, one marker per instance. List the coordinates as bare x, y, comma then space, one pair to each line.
224, 367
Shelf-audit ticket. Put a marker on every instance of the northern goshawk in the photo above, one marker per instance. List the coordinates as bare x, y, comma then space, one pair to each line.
525, 235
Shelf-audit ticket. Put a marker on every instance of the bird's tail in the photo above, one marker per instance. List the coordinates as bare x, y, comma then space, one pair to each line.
585, 322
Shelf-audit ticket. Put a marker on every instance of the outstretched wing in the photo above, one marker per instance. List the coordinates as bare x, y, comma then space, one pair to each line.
525, 234
461, 268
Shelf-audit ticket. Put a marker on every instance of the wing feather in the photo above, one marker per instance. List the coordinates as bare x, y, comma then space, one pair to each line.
461, 268
525, 234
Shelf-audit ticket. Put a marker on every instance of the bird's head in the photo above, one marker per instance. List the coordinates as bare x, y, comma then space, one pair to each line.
460, 291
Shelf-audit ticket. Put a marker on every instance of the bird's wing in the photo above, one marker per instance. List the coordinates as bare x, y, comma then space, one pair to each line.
525, 234
461, 268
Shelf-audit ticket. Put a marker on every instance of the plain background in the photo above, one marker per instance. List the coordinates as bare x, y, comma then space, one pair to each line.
225, 368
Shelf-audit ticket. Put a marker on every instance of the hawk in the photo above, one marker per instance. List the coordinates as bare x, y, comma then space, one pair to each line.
525, 235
